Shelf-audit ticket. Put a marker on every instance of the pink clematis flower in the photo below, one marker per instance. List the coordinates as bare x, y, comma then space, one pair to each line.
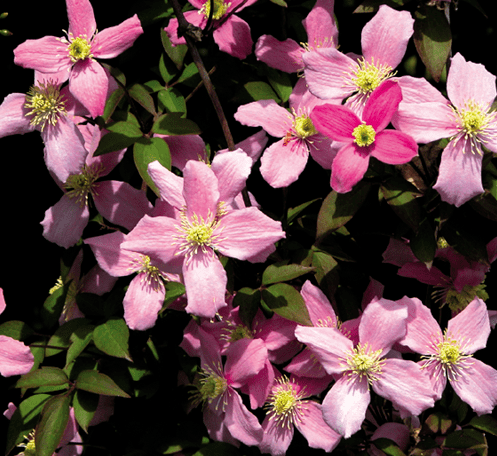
283, 161
206, 226
468, 121
364, 138
449, 355
15, 357
73, 57
367, 365
286, 56
231, 33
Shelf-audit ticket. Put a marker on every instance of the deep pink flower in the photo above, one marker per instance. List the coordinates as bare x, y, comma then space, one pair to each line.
206, 226
286, 56
15, 357
449, 355
73, 56
364, 138
231, 33
467, 120
366, 366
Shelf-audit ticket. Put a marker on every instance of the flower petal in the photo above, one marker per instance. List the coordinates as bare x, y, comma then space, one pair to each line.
394, 147
233, 37
267, 114
335, 121
349, 166
283, 55
382, 104
15, 357
47, 54
81, 18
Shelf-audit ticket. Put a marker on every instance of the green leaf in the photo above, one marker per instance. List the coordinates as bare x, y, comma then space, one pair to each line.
112, 103
148, 150
140, 94
62, 336
16, 329
280, 3
459, 234
338, 208
172, 123
53, 305
85, 404
171, 100
282, 272
175, 53
281, 83
46, 376
80, 339
259, 90
248, 300
326, 271
112, 338
486, 423
388, 447
98, 383
424, 244
294, 212
287, 302
432, 38
467, 439
439, 423
50, 429
167, 69
190, 75
402, 196
173, 291
114, 141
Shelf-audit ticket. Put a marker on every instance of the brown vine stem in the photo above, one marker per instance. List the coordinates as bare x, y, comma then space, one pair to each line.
192, 34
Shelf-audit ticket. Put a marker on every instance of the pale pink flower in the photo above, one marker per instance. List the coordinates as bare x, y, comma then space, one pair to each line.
230, 32
367, 365
287, 408
469, 122
283, 161
72, 57
448, 355
15, 357
286, 56
364, 137
206, 226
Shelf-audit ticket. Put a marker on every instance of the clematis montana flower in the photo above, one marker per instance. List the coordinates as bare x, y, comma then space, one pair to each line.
367, 365
206, 226
73, 56
449, 355
364, 138
468, 121
230, 33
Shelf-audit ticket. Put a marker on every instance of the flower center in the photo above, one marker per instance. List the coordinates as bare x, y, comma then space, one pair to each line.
285, 404
79, 186
303, 126
237, 333
149, 273
459, 301
219, 9
367, 76
363, 362
364, 135
210, 387
79, 49
46, 104
29, 446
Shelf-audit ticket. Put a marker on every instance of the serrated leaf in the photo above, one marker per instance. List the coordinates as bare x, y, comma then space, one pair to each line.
85, 404
80, 339
148, 150
98, 383
432, 38
282, 272
287, 302
189, 75
112, 338
140, 94
172, 123
50, 429
46, 376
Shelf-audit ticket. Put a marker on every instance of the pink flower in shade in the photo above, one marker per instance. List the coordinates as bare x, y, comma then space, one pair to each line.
206, 226
367, 365
73, 56
397, 432
364, 138
286, 56
449, 355
145, 295
116, 201
334, 76
287, 409
467, 120
15, 357
283, 161
231, 33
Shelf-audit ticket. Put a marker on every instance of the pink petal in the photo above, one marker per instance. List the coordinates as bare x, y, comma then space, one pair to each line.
397, 432
81, 18
169, 184
320, 310
384, 38
323, 150
283, 55
344, 407
13, 120
233, 37
65, 221
419, 90
394, 147
15, 357
193, 17
113, 41
335, 121
205, 283
2, 301
382, 104
259, 386
349, 167
283, 162
477, 387
320, 25
142, 302
313, 427
47, 54
459, 175
232, 170
120, 203
184, 148
277, 438
406, 385
471, 327
246, 232
419, 271
267, 114
245, 358
200, 190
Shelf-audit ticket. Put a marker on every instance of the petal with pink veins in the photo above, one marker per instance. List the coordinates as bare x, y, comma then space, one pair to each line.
233, 37
283, 55
349, 167
394, 147
267, 114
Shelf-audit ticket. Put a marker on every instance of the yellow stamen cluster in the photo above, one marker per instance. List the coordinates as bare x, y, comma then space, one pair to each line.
46, 104
210, 388
362, 361
219, 10
79, 186
285, 404
149, 273
367, 76
29, 446
364, 135
79, 49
